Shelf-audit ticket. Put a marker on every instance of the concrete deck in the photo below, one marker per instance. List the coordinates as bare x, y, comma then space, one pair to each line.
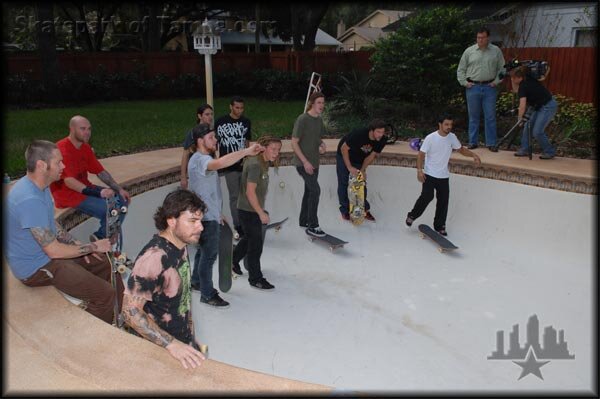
50, 342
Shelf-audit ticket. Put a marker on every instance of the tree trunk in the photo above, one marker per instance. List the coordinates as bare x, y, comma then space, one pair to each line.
258, 29
47, 47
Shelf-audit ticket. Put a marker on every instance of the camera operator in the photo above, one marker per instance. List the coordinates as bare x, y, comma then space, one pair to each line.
532, 93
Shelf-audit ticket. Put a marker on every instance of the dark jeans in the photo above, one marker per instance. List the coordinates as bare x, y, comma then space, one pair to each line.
342, 175
206, 254
96, 207
88, 282
310, 199
442, 189
250, 245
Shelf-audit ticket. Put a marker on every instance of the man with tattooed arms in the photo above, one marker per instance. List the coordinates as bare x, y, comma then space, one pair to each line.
157, 301
39, 252
74, 190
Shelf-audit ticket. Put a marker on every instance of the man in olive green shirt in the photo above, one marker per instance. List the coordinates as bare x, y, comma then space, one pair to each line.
307, 144
478, 71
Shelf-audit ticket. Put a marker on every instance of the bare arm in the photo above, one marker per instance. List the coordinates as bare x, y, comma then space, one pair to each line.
308, 167
110, 182
135, 316
59, 250
368, 161
420, 163
468, 153
185, 157
346, 156
233, 157
254, 203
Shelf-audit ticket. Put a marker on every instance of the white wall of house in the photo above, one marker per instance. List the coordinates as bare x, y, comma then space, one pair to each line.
549, 25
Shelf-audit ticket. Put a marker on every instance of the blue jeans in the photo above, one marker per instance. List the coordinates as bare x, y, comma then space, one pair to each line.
482, 97
208, 250
538, 122
310, 199
342, 175
96, 207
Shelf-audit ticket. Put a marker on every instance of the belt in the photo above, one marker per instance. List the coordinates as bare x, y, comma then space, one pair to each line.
478, 82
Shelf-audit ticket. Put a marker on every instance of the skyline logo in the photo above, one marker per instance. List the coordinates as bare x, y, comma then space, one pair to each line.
554, 347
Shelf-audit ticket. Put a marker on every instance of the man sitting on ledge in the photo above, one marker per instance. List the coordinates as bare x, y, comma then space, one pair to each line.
39, 252
74, 190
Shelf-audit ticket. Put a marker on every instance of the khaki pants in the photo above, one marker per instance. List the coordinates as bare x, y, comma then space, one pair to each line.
88, 282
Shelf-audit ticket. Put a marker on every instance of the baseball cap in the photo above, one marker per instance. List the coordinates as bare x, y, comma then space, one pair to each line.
200, 130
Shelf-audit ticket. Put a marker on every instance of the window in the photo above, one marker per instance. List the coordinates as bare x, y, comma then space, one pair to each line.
586, 37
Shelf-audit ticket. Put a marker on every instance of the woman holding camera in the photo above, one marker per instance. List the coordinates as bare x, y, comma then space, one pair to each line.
532, 93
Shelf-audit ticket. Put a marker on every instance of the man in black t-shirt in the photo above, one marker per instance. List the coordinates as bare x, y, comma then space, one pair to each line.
532, 93
233, 133
356, 151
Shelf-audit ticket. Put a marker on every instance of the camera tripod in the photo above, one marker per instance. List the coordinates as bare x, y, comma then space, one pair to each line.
511, 134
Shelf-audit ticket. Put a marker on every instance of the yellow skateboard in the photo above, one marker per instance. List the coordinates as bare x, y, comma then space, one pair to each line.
356, 198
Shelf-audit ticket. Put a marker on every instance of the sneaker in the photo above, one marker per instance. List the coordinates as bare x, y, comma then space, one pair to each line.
316, 231
195, 286
493, 149
370, 217
546, 156
472, 146
521, 154
262, 284
237, 270
305, 225
346, 216
215, 301
409, 221
442, 231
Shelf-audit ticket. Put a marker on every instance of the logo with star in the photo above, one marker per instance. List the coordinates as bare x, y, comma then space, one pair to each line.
553, 346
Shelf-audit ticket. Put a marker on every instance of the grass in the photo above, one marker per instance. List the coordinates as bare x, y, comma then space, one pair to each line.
122, 127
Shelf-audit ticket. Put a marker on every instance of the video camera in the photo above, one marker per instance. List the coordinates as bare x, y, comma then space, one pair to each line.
537, 69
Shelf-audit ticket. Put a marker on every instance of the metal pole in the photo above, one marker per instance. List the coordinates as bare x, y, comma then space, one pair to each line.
208, 79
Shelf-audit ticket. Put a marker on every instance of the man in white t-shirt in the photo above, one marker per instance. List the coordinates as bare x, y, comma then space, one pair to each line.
435, 151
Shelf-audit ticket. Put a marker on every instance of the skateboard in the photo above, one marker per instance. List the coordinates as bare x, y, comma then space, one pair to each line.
276, 226
118, 261
442, 242
356, 198
331, 241
225, 257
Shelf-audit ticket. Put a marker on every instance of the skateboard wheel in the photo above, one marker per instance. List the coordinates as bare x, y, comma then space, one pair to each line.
282, 184
422, 235
441, 250
122, 258
123, 209
204, 350
114, 212
121, 269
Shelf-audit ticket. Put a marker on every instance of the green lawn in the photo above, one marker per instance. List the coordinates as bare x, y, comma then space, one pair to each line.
131, 126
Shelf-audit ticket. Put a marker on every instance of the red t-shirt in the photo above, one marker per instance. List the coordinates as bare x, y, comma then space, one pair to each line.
78, 162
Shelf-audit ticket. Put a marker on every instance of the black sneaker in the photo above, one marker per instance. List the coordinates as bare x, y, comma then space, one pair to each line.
237, 270
442, 231
316, 232
303, 225
195, 287
215, 301
262, 284
409, 221
472, 146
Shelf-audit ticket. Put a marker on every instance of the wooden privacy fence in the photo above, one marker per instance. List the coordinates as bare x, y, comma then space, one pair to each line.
572, 70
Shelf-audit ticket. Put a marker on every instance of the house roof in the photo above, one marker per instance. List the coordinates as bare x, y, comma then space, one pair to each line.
369, 34
247, 37
394, 14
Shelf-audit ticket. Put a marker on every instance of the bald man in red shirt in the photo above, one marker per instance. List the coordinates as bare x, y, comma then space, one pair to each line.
74, 190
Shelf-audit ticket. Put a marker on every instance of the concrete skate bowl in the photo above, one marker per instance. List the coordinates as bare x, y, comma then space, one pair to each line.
387, 313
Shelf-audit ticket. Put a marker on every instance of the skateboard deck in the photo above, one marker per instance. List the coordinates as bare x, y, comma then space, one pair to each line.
225, 257
118, 261
276, 226
329, 240
442, 242
356, 198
